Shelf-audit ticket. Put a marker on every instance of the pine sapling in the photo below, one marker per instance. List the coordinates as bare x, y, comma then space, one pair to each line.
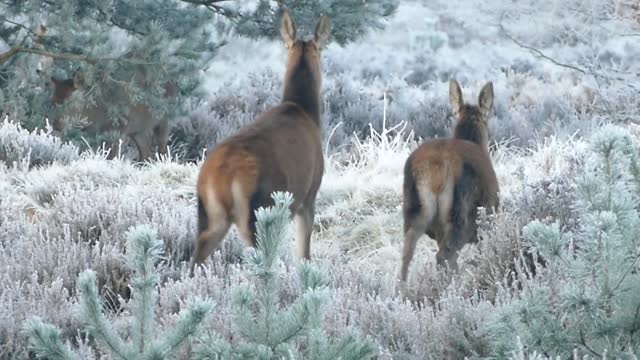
584, 301
144, 250
267, 329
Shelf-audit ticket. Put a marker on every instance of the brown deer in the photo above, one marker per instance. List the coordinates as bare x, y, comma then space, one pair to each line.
446, 180
139, 119
280, 151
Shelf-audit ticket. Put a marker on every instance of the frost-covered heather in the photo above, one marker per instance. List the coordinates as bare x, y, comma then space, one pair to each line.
19, 147
61, 219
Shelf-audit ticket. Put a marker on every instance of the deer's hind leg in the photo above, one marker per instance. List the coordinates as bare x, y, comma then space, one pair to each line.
416, 223
453, 242
142, 143
246, 202
304, 218
449, 230
462, 230
213, 224
461, 226
161, 134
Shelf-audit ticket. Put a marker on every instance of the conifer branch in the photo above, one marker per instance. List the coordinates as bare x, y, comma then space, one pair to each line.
583, 342
143, 249
212, 6
92, 311
629, 269
66, 56
118, 24
45, 340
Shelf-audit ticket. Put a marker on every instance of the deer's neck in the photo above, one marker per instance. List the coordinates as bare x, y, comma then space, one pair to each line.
302, 86
466, 130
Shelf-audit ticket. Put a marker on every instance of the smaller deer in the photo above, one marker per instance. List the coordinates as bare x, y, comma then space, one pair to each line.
280, 151
445, 180
139, 119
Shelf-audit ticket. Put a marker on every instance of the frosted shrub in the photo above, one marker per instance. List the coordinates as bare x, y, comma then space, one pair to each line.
227, 110
584, 298
25, 148
345, 102
144, 251
56, 221
84, 210
357, 109
451, 326
202, 130
550, 200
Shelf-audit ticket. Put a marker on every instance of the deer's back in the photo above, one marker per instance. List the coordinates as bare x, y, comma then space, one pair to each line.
280, 151
136, 118
466, 164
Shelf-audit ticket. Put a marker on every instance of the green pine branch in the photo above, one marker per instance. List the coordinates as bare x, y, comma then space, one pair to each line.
581, 299
268, 330
143, 250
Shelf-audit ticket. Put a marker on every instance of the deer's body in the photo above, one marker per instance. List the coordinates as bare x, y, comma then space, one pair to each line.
445, 180
138, 121
280, 151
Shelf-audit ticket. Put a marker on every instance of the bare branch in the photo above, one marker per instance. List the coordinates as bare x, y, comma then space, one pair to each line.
538, 52
6, 56
20, 26
213, 6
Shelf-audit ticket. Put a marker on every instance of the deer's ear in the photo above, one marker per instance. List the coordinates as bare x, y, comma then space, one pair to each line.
322, 32
49, 80
455, 97
287, 30
485, 100
40, 30
78, 79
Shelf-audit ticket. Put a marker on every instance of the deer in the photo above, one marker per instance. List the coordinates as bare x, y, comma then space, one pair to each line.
280, 151
139, 119
446, 180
